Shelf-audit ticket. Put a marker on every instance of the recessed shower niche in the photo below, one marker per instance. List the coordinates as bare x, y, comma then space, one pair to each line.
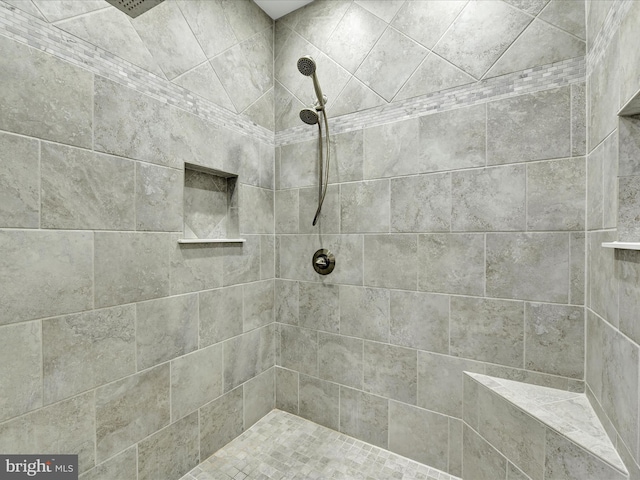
210, 206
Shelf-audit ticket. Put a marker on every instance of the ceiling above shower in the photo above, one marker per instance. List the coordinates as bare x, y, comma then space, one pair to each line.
279, 8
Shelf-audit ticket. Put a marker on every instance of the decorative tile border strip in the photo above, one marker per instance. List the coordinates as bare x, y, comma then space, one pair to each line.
611, 24
43, 36
511, 85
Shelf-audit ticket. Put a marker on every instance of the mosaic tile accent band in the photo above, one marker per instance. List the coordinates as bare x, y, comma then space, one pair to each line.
284, 446
606, 33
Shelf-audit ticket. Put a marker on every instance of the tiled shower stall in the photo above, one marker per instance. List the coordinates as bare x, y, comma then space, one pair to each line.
478, 163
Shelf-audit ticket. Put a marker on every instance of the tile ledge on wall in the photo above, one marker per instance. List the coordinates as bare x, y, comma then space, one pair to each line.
622, 245
211, 240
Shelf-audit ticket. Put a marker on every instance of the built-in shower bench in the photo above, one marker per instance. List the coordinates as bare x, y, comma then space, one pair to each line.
519, 431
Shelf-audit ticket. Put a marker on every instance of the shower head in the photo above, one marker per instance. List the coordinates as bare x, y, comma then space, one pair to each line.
134, 8
307, 65
309, 116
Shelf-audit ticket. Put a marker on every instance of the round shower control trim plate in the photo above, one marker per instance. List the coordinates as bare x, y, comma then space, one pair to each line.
323, 261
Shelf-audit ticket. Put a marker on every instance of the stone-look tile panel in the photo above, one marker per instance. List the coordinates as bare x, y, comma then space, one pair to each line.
488, 330
419, 320
56, 11
391, 150
132, 125
364, 416
555, 339
455, 446
418, 434
248, 355
267, 257
421, 203
629, 152
603, 87
19, 184
221, 314
556, 195
440, 380
195, 267
602, 278
481, 459
628, 203
54, 267
577, 266
426, 22
209, 25
75, 196
54, 96
131, 409
340, 359
258, 299
347, 157
86, 350
386, 10
22, 382
610, 185
131, 267
124, 466
578, 118
595, 189
171, 452
158, 198
391, 261
451, 263
488, 199
320, 401
567, 15
245, 18
319, 307
354, 98
364, 207
220, 422
628, 263
528, 266
286, 211
516, 124
329, 218
32, 434
629, 80
470, 413
287, 390
364, 312
287, 301
259, 397
390, 371
193, 139
196, 379
257, 211
298, 349
242, 263
454, 139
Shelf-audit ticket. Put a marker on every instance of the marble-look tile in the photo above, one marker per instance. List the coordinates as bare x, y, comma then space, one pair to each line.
628, 262
577, 267
285, 62
567, 15
480, 459
242, 262
528, 266
514, 473
257, 211
262, 112
390, 63
169, 38
515, 125
196, 379
418, 434
287, 301
419, 320
259, 305
354, 36
532, 7
555, 339
384, 9
75, 434
455, 446
347, 156
221, 314
172, 451
159, 191
451, 263
390, 371
433, 75
329, 218
628, 202
578, 119
488, 330
286, 211
130, 267
86, 350
19, 183
131, 409
319, 306
426, 22
203, 81
602, 276
454, 139
287, 390
22, 370
489, 199
340, 359
286, 110
610, 183
209, 25
540, 44
356, 97
298, 165
390, 261
364, 416
421, 203
26, 6
132, 125
55, 10
193, 139
298, 349
54, 96
220, 422
364, 207
470, 413
258, 50
556, 195
440, 380
629, 80
629, 142
75, 196
364, 312
320, 402
595, 189
480, 34
195, 267
603, 87
206, 210
259, 397
54, 267
245, 18
248, 355
124, 466
391, 150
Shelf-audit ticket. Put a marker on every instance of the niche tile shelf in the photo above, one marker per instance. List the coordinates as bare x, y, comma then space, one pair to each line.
632, 107
622, 245
210, 206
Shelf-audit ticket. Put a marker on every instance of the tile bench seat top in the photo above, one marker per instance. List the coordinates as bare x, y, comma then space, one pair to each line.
568, 413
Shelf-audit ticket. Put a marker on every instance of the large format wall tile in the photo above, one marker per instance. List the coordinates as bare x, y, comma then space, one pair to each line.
19, 183
391, 261
419, 320
603, 87
220, 422
58, 10
298, 349
86, 350
426, 22
480, 459
159, 192
55, 268
124, 465
319, 401
391, 150
390, 371
364, 207
287, 390
242, 262
319, 306
248, 355
195, 267
340, 359
364, 416
421, 203
209, 24
221, 314
54, 97
258, 299
364, 312
259, 397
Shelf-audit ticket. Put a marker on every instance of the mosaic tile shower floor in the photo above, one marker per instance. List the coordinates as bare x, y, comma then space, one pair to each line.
284, 446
